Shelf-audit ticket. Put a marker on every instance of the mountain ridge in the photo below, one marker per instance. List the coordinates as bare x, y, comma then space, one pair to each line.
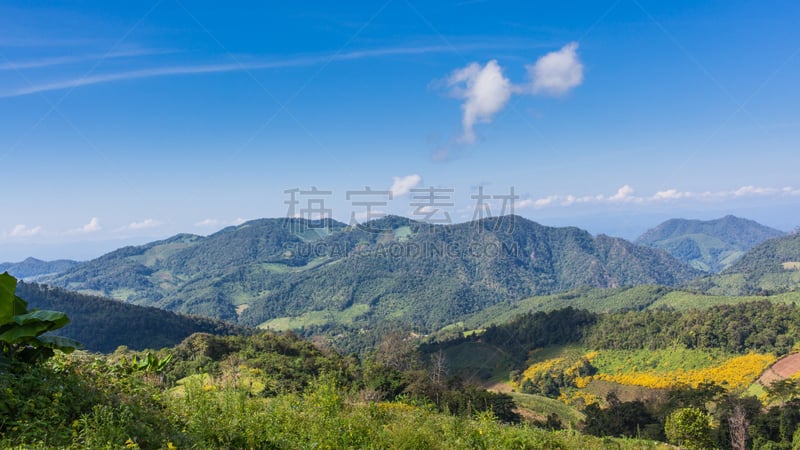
389, 269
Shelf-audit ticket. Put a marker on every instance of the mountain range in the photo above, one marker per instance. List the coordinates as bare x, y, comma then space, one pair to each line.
289, 273
326, 277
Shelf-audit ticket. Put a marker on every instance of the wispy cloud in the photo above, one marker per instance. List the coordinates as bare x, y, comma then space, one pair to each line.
402, 185
23, 231
197, 69
625, 194
72, 59
208, 223
40, 42
146, 223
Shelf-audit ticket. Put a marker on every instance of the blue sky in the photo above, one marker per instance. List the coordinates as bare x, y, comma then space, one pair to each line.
133, 121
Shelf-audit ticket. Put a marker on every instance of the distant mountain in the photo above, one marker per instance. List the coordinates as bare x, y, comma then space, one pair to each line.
710, 245
293, 273
102, 324
32, 268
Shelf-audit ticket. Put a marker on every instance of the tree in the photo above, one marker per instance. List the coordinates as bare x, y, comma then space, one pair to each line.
438, 367
689, 428
783, 390
738, 423
397, 351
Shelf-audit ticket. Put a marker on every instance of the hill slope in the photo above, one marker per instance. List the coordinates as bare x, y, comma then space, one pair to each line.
293, 273
769, 268
102, 324
710, 245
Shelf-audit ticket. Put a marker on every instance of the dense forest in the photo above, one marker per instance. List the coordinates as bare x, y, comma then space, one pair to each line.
102, 324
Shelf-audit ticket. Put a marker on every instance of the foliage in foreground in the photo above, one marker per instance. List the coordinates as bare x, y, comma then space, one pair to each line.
89, 402
22, 332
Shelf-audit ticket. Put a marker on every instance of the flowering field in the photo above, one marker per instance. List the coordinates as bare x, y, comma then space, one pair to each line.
734, 372
662, 369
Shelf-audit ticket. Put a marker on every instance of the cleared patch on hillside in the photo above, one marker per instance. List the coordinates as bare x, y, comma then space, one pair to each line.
626, 393
311, 318
538, 407
784, 368
791, 265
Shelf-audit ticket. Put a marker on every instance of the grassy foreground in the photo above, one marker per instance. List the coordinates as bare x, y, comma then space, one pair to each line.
90, 402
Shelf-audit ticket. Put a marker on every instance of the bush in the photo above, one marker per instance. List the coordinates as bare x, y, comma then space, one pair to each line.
689, 428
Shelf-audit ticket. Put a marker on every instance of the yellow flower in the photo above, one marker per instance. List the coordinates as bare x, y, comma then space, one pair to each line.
735, 372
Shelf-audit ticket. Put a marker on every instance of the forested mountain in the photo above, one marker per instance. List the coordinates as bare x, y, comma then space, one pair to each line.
769, 268
710, 245
32, 268
289, 273
102, 324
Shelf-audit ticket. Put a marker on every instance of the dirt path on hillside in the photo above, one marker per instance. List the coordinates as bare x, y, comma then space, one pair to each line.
498, 386
783, 368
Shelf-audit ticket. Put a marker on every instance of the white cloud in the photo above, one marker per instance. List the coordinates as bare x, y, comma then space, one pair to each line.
791, 191
625, 194
208, 223
556, 72
671, 194
402, 185
91, 227
364, 216
485, 91
22, 230
217, 223
753, 190
147, 223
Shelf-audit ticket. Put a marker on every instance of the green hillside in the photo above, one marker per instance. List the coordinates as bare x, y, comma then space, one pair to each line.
264, 390
591, 299
102, 324
771, 267
711, 245
291, 273
194, 274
